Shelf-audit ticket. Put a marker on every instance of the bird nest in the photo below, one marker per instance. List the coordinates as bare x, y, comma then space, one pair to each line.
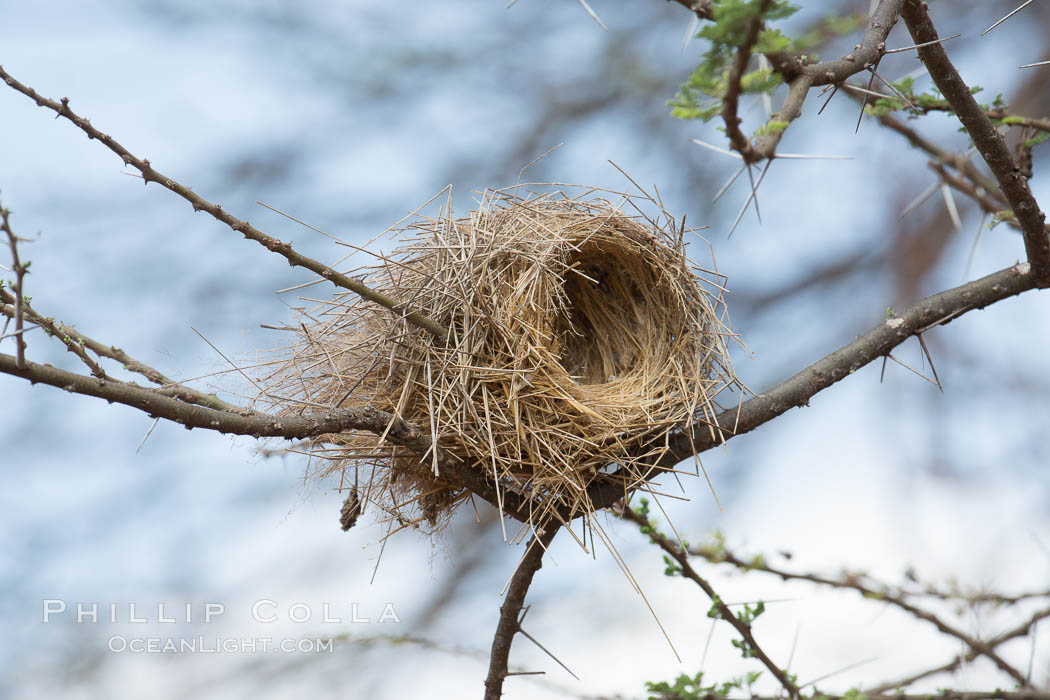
578, 338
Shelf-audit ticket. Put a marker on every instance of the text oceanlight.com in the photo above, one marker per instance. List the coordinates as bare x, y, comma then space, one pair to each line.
218, 645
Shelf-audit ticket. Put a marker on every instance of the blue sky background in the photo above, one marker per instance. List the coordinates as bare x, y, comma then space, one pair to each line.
349, 115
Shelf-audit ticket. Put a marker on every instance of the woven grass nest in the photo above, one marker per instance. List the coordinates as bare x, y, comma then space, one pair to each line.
580, 335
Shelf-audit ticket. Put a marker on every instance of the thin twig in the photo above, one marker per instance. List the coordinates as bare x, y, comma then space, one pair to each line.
730, 102
150, 174
20, 272
77, 342
681, 557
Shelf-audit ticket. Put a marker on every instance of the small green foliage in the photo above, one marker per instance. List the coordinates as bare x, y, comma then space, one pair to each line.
686, 106
738, 683
1037, 139
701, 96
671, 567
757, 562
684, 687
687, 687
731, 19
650, 527
643, 510
917, 105
747, 616
889, 312
750, 614
773, 126
854, 694
746, 650
643, 507
1001, 216
762, 80
715, 549
771, 41
920, 104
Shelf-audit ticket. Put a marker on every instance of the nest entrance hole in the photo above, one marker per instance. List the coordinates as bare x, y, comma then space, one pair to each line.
607, 326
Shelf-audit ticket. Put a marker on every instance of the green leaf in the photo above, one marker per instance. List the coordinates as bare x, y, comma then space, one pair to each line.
685, 687
854, 694
761, 80
773, 126
1036, 140
1001, 216
731, 22
671, 567
771, 41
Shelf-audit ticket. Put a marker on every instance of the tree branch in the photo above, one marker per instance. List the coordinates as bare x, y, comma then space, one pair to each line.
866, 53
702, 8
801, 76
1021, 630
740, 143
959, 162
985, 137
156, 403
294, 258
721, 555
509, 612
935, 310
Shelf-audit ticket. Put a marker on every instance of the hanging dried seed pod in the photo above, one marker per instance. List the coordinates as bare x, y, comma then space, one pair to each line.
351, 510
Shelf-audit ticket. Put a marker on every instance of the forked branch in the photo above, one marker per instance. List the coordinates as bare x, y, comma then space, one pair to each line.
985, 137
858, 583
